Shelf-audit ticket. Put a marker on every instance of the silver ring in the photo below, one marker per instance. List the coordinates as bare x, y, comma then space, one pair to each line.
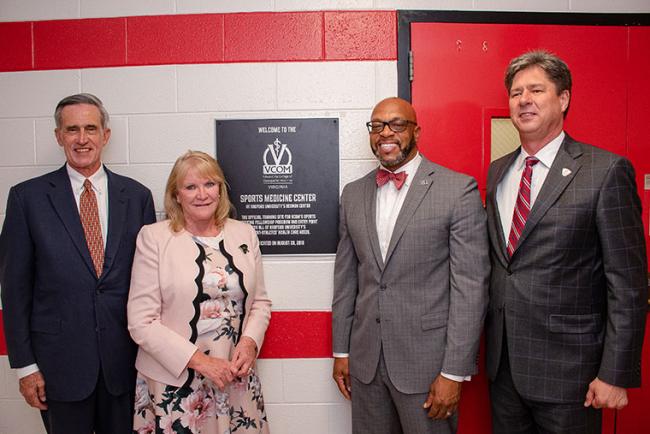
250, 371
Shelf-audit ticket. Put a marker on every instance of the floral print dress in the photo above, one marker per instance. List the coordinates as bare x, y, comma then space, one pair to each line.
198, 406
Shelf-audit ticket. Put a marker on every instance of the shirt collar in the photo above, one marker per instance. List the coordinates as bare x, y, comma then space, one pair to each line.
98, 179
546, 155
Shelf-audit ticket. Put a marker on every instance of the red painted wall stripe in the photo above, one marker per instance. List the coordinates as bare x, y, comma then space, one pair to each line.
360, 35
294, 334
79, 43
271, 37
159, 40
16, 48
200, 38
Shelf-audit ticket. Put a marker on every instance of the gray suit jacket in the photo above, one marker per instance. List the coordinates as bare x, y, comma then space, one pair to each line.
425, 304
573, 296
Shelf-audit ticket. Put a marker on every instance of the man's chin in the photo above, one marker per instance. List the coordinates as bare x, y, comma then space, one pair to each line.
391, 163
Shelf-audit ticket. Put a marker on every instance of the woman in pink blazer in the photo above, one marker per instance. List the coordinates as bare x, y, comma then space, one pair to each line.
198, 310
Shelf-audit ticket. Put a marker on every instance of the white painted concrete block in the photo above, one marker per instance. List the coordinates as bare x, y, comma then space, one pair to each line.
35, 93
141, 89
354, 140
270, 373
122, 8
4, 370
154, 176
424, 4
203, 6
16, 142
309, 380
226, 87
355, 169
340, 418
386, 80
301, 5
326, 85
19, 418
10, 176
27, 10
522, 5
311, 282
609, 6
12, 390
298, 419
163, 138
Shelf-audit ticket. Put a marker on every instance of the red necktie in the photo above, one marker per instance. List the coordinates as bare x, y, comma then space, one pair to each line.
522, 206
89, 214
383, 176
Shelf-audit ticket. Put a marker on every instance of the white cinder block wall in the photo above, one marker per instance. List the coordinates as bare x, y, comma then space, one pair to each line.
158, 112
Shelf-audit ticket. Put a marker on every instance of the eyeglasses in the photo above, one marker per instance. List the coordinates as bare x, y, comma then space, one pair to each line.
395, 125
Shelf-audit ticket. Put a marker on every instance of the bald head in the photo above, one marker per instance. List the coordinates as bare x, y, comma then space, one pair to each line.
401, 108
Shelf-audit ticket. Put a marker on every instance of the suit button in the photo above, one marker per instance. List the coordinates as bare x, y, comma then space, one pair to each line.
377, 320
383, 287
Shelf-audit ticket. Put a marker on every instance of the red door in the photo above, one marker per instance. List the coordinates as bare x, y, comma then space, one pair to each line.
458, 88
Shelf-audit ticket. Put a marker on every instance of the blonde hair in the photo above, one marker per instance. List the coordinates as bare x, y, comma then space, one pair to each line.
206, 167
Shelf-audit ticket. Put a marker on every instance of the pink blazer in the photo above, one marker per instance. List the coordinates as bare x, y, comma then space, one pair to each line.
162, 290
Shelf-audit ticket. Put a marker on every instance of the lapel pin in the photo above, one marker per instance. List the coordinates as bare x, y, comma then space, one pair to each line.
566, 172
244, 248
424, 182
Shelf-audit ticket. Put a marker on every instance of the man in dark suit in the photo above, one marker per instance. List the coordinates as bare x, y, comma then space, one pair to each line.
410, 284
567, 306
65, 266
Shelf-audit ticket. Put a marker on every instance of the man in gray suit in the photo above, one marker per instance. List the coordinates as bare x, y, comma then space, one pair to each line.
410, 284
567, 307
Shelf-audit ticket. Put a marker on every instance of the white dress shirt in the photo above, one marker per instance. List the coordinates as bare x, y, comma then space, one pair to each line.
390, 201
508, 188
99, 181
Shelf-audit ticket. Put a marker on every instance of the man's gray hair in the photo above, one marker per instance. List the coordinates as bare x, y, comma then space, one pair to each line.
81, 98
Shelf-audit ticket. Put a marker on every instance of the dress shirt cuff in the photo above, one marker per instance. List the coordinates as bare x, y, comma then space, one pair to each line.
26, 370
341, 355
458, 378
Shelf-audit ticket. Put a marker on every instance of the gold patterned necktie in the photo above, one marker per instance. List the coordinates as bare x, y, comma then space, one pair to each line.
89, 214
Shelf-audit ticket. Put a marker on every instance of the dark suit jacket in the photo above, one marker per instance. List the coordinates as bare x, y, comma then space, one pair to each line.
424, 305
572, 298
57, 313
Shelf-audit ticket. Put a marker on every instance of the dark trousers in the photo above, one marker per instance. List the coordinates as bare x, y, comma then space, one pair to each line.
513, 414
101, 413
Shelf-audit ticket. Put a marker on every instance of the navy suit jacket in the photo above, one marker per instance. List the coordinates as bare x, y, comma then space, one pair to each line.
57, 312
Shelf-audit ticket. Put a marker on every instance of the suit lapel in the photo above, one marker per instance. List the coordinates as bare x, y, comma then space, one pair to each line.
420, 185
556, 182
117, 207
370, 206
64, 204
494, 221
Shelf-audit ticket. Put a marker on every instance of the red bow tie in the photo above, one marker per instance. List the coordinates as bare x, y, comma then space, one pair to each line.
383, 176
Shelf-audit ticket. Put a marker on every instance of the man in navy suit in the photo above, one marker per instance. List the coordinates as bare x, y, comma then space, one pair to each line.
65, 302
